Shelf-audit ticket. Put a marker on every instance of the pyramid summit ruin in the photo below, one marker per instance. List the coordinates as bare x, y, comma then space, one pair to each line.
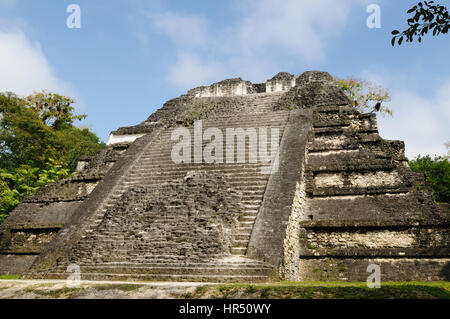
238, 182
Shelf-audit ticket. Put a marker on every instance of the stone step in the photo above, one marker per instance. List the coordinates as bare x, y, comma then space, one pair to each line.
157, 180
247, 176
248, 127
246, 198
252, 205
217, 261
168, 269
320, 131
239, 251
262, 133
137, 258
145, 258
177, 168
161, 277
244, 229
265, 119
251, 202
172, 167
233, 182
246, 116
246, 224
250, 212
248, 218
251, 156
231, 262
241, 236
223, 126
261, 185
148, 174
246, 195
239, 243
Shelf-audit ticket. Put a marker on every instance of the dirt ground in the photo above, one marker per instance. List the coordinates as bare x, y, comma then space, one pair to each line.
32, 289
62, 289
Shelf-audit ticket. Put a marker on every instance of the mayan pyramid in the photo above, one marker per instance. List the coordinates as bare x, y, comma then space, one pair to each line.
315, 194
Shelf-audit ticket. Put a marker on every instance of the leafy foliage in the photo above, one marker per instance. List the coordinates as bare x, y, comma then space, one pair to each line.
32, 133
54, 110
38, 144
366, 96
437, 171
428, 16
20, 182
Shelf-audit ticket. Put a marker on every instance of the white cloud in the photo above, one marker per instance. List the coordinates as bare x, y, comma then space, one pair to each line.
422, 123
24, 68
443, 99
420, 120
296, 28
299, 27
189, 71
183, 29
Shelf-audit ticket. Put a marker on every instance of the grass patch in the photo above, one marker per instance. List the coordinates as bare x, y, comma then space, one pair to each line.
188, 295
199, 111
327, 290
9, 276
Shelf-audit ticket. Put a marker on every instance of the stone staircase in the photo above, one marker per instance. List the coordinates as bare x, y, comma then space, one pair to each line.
224, 269
114, 254
157, 167
261, 102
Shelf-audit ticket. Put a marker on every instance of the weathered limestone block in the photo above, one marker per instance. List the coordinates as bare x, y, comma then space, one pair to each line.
30, 241
230, 87
283, 81
392, 269
341, 242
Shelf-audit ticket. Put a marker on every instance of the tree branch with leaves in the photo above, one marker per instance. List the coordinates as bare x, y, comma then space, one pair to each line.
428, 17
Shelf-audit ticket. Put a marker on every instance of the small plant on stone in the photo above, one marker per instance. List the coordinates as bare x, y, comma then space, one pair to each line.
366, 96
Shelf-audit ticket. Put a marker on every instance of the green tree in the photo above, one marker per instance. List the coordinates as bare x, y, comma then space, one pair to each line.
366, 96
54, 110
428, 16
39, 128
20, 182
24, 138
39, 144
437, 170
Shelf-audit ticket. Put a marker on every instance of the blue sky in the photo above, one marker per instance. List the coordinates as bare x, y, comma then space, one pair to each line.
130, 56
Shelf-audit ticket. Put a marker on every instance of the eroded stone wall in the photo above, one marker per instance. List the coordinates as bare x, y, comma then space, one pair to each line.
364, 203
191, 219
230, 87
283, 81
